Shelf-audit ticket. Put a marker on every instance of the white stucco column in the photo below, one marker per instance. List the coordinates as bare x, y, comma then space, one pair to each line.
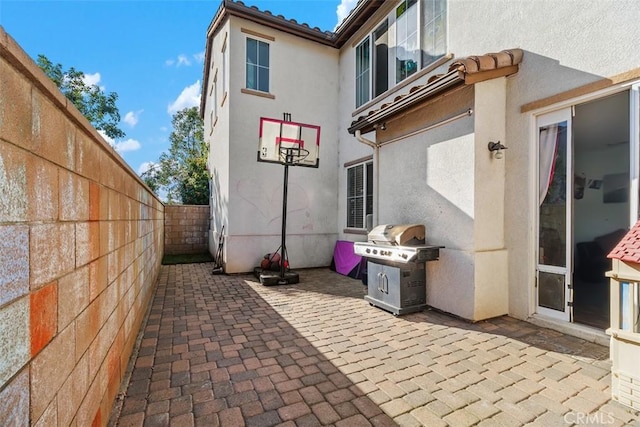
490, 255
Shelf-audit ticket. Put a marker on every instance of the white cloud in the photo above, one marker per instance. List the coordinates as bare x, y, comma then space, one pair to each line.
91, 79
343, 9
189, 97
110, 141
127, 145
132, 117
145, 166
199, 57
169, 62
183, 60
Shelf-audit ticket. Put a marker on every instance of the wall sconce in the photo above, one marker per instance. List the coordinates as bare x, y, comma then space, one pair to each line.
496, 149
381, 126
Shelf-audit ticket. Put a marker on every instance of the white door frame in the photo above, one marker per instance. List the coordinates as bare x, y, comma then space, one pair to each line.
634, 143
560, 116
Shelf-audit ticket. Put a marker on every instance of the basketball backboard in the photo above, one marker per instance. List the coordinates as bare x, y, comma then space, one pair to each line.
291, 143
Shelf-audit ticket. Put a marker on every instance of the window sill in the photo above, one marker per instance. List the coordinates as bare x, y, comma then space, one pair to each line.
213, 125
257, 93
361, 231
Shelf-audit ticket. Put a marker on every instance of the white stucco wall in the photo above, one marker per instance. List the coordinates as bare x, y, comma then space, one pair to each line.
303, 80
218, 136
567, 44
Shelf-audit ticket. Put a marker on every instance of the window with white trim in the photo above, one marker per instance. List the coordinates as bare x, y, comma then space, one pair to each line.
362, 72
359, 194
257, 69
410, 38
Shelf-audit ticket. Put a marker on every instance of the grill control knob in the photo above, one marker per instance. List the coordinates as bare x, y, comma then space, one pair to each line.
375, 251
404, 256
368, 250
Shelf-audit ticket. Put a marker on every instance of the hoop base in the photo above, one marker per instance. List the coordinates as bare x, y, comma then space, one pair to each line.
270, 278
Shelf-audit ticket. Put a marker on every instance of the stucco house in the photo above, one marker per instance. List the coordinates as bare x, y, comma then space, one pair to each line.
410, 95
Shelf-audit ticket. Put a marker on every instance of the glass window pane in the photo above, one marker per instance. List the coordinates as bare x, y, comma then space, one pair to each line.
381, 59
263, 54
433, 39
362, 72
252, 51
263, 79
412, 19
553, 189
551, 291
252, 77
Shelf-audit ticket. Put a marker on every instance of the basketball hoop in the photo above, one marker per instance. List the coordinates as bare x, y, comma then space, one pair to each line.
289, 144
292, 155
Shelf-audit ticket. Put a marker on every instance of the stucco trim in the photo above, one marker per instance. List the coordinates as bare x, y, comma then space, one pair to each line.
257, 93
360, 160
582, 90
360, 231
257, 34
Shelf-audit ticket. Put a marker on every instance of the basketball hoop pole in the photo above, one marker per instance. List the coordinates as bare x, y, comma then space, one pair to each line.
283, 245
285, 188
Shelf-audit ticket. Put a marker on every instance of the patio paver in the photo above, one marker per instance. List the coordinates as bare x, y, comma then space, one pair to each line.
226, 351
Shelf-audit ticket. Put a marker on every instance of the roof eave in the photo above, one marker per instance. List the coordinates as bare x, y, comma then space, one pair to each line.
352, 23
444, 83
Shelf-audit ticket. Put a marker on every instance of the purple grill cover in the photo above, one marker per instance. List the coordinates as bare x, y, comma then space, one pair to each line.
345, 261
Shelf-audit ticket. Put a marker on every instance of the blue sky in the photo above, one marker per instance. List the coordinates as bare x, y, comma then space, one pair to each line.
150, 52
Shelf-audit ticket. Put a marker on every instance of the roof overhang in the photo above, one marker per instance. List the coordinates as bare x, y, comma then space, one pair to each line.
465, 71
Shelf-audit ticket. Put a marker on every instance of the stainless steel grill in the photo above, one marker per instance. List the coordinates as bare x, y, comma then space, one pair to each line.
396, 257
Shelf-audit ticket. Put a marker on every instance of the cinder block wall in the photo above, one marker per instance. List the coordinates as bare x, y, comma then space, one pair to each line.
186, 229
80, 248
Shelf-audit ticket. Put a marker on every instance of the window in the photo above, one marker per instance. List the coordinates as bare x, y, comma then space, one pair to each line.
433, 43
407, 49
362, 72
257, 65
359, 194
420, 40
381, 59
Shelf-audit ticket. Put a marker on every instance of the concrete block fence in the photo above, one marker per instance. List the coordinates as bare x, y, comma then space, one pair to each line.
81, 241
186, 229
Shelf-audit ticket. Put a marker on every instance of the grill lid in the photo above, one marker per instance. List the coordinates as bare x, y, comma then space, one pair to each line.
398, 234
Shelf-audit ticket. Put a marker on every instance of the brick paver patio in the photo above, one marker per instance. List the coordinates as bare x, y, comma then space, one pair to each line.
225, 350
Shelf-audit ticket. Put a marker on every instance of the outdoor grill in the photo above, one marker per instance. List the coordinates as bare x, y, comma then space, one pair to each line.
396, 258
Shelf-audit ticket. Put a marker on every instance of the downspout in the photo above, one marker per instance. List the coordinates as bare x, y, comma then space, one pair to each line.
376, 161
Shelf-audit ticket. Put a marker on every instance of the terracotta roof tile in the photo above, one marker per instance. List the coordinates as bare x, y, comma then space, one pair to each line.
282, 18
628, 249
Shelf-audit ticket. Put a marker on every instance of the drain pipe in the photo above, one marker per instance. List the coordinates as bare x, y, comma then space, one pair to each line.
376, 160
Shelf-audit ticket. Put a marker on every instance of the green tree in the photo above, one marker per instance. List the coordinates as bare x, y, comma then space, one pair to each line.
182, 171
97, 106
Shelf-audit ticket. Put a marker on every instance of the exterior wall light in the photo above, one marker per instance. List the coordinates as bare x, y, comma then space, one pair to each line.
496, 149
381, 126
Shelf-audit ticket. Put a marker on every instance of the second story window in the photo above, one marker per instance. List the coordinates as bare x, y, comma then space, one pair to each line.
257, 65
362, 72
407, 49
410, 38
